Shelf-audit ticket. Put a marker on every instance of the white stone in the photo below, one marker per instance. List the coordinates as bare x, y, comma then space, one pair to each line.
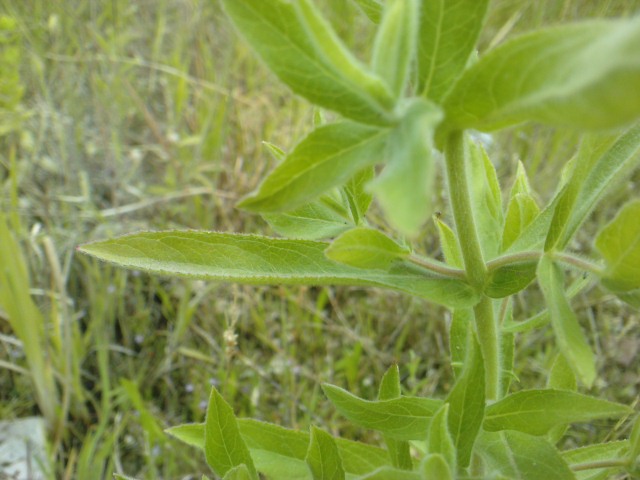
23, 449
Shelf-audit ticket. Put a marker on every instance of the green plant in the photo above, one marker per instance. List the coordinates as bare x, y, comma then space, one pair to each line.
421, 92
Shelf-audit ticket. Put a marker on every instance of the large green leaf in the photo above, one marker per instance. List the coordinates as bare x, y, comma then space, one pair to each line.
366, 248
619, 244
280, 452
328, 157
600, 164
404, 418
518, 456
448, 33
323, 457
224, 447
257, 260
302, 49
404, 188
569, 336
466, 403
395, 43
537, 411
399, 450
584, 75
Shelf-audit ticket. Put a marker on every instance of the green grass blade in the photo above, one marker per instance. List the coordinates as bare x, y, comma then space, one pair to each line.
257, 260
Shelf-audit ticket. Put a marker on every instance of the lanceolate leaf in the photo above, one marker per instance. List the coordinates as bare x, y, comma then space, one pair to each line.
241, 472
399, 450
320, 219
280, 453
323, 457
439, 440
365, 248
404, 189
358, 198
486, 201
435, 466
300, 47
404, 418
257, 260
583, 75
395, 43
224, 447
518, 456
329, 156
537, 411
600, 166
466, 403
619, 244
448, 33
569, 336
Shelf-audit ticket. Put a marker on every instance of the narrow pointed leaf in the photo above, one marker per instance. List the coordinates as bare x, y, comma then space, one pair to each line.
364, 247
569, 336
537, 411
224, 447
449, 30
518, 456
619, 244
320, 219
257, 260
280, 452
601, 164
328, 157
395, 43
399, 450
561, 377
439, 440
521, 210
302, 49
583, 75
358, 198
449, 244
486, 201
404, 189
459, 331
404, 418
466, 403
323, 457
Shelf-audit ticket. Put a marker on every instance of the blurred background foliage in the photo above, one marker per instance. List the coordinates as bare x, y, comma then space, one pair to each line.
118, 116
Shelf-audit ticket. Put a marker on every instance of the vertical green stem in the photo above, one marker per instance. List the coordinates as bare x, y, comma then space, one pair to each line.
476, 269
460, 199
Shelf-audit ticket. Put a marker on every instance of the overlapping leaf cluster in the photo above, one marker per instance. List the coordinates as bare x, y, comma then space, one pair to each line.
422, 89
